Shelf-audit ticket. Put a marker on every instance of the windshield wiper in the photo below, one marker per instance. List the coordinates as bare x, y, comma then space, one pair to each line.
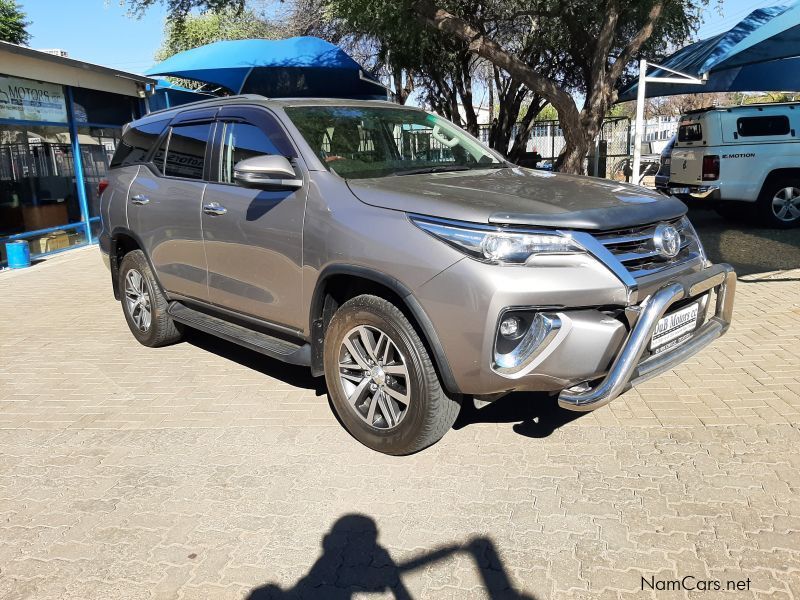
439, 169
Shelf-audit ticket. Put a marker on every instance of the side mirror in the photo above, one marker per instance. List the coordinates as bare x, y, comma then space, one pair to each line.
269, 172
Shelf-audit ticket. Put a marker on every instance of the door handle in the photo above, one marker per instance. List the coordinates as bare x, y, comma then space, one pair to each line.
140, 199
215, 209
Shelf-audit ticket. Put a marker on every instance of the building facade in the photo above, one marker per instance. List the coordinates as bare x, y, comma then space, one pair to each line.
60, 121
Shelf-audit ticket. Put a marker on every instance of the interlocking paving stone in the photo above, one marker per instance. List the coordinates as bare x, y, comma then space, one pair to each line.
205, 471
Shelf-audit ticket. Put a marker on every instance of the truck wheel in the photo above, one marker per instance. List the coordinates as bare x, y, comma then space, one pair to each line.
779, 203
381, 380
143, 304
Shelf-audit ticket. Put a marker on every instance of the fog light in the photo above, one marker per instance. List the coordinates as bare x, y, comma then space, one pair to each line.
509, 327
531, 343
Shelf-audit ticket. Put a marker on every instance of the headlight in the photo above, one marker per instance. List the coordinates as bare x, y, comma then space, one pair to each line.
498, 246
688, 232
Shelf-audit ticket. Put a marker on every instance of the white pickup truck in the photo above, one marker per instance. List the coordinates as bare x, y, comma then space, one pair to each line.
741, 154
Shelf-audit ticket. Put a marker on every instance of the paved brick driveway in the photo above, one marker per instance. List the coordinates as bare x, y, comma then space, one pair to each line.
205, 471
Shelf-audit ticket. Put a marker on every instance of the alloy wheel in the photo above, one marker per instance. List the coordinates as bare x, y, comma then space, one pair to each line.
137, 300
375, 377
786, 204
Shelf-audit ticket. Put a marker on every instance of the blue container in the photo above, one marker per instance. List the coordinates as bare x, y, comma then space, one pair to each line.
19, 254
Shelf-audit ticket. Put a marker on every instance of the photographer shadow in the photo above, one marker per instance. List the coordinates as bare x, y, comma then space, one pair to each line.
353, 562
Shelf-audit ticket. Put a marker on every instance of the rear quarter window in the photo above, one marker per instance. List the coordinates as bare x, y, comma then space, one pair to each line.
690, 132
137, 142
763, 126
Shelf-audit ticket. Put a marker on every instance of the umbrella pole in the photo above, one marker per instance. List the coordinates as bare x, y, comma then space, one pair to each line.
637, 133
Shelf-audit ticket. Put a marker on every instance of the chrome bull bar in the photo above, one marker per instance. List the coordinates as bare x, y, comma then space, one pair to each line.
628, 369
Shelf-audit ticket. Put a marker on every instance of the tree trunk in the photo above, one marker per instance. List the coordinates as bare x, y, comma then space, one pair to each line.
575, 150
525, 126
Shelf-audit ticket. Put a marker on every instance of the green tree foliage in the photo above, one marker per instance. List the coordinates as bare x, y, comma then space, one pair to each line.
13, 23
178, 10
213, 26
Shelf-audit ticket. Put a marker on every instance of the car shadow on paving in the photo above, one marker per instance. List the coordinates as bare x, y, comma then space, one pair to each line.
536, 415
749, 247
353, 563
293, 375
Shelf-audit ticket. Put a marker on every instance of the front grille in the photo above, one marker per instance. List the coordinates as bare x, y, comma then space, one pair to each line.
635, 249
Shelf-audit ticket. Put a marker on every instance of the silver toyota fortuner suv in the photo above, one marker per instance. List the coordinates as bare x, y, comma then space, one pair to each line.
389, 250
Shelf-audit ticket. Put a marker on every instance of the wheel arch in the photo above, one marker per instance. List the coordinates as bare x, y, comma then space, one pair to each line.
122, 241
338, 283
777, 174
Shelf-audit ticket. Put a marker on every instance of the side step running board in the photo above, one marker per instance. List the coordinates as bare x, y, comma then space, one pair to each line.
296, 354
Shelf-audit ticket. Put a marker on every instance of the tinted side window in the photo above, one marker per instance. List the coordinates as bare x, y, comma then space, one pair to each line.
137, 143
160, 154
241, 141
186, 151
775, 125
690, 133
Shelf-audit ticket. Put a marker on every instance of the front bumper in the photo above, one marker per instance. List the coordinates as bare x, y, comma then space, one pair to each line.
628, 369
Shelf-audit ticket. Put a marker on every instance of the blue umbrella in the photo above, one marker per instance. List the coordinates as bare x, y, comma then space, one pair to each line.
299, 66
760, 53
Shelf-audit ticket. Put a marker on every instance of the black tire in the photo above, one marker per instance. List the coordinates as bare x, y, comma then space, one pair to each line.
430, 412
160, 329
766, 206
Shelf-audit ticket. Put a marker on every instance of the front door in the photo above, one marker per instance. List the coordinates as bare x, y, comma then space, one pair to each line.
164, 207
253, 238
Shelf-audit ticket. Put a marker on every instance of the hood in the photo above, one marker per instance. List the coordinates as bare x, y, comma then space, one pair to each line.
517, 196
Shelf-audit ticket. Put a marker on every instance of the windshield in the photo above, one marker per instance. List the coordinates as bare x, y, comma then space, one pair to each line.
357, 142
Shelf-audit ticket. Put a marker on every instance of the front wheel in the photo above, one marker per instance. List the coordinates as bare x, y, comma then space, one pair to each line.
779, 203
381, 380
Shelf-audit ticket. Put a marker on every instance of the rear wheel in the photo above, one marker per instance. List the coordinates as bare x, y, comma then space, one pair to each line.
381, 380
143, 303
779, 203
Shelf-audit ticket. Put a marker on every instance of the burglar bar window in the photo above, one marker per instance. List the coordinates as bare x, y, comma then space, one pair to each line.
755, 126
690, 133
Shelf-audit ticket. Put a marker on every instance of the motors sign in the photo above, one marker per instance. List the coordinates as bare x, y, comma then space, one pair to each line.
27, 100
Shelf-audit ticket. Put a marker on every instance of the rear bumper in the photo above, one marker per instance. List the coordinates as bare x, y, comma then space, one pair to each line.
628, 369
697, 192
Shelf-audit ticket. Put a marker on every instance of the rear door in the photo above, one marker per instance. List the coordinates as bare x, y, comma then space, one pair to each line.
253, 238
165, 203
686, 163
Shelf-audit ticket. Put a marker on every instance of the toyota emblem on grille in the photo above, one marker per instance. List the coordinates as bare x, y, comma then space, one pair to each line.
667, 240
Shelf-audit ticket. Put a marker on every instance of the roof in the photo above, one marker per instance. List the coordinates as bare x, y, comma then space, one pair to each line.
760, 53
279, 102
69, 71
738, 107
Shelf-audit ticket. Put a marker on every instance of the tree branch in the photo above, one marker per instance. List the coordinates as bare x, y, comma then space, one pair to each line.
489, 49
605, 41
638, 40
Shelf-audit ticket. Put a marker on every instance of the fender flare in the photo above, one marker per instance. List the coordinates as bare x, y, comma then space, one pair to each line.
411, 304
112, 255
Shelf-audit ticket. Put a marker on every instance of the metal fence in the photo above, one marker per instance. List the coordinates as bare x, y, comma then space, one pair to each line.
611, 156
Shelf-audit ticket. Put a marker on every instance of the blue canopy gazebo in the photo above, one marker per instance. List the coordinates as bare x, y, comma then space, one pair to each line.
760, 53
297, 67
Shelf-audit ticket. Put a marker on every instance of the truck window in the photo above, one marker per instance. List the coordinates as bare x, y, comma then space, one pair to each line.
137, 143
241, 141
186, 151
692, 132
755, 126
